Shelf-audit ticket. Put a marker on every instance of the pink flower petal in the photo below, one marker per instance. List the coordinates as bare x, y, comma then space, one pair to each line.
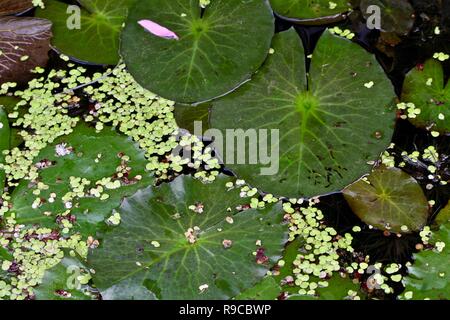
158, 30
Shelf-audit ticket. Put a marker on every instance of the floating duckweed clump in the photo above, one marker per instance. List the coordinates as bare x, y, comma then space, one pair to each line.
45, 112
32, 251
320, 259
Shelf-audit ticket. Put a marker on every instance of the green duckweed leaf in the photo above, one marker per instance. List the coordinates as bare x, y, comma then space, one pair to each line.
95, 156
388, 200
312, 12
330, 124
8, 7
24, 45
218, 48
425, 87
429, 276
151, 244
4, 143
97, 39
65, 281
397, 16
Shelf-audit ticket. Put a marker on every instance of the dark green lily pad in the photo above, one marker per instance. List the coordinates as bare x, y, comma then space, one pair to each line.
443, 216
4, 144
156, 246
97, 40
94, 156
330, 123
425, 87
65, 281
388, 200
186, 116
216, 50
312, 12
267, 289
338, 288
397, 16
429, 276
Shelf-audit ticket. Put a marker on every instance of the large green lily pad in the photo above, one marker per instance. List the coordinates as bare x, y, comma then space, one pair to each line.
389, 199
186, 240
429, 276
97, 39
4, 144
312, 12
219, 47
425, 87
331, 123
94, 156
397, 16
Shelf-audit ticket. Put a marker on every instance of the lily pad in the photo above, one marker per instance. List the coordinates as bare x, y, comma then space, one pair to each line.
338, 289
24, 45
443, 216
4, 144
312, 12
267, 289
389, 199
330, 123
65, 281
82, 154
186, 116
219, 47
97, 38
186, 240
397, 16
14, 6
429, 276
425, 87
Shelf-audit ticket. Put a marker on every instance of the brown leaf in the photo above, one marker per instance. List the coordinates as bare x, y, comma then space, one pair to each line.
8, 7
24, 45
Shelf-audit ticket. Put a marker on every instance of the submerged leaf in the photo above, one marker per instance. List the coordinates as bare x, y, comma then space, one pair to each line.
8, 7
219, 47
389, 199
397, 16
24, 45
330, 122
187, 240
